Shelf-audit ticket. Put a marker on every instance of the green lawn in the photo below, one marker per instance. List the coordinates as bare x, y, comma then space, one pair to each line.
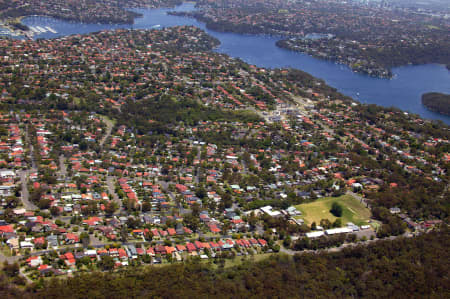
228, 262
107, 119
353, 210
239, 259
5, 250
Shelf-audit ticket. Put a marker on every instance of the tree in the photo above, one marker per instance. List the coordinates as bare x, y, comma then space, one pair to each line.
11, 270
169, 258
287, 241
302, 243
337, 222
201, 192
54, 211
85, 260
111, 208
191, 222
133, 222
36, 195
195, 210
276, 247
123, 234
146, 206
85, 239
44, 203
336, 209
325, 223
12, 201
106, 263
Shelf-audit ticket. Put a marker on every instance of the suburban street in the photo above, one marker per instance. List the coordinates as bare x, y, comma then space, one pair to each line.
62, 166
25, 195
109, 127
112, 191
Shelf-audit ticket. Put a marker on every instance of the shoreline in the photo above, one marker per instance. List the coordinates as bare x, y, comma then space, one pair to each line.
390, 75
363, 99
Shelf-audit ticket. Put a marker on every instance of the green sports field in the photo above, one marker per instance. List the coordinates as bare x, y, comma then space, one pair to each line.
353, 210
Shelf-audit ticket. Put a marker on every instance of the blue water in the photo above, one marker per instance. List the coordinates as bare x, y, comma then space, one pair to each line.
404, 91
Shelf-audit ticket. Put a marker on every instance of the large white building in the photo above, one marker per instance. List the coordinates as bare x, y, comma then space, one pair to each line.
269, 211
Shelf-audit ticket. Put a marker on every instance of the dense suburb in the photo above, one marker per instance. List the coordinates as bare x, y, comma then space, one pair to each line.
131, 150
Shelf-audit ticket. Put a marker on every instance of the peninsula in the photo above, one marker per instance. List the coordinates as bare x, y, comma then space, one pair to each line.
437, 102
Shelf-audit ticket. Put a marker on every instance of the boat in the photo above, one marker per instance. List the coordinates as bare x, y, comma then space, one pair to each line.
41, 29
51, 29
34, 29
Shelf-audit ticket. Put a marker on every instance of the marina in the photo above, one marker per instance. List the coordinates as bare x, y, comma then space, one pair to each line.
39, 29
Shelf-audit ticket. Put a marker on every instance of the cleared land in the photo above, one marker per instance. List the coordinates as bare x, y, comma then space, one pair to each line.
352, 210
